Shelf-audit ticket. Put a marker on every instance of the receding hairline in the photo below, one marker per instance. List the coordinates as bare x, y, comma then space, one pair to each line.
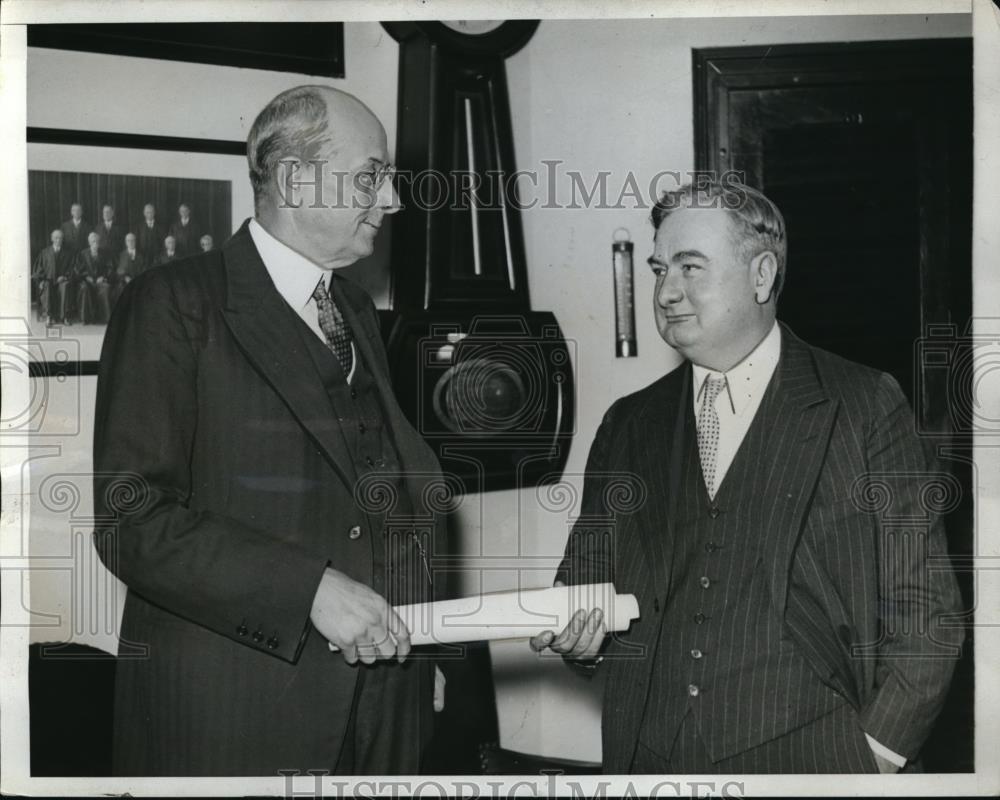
306, 122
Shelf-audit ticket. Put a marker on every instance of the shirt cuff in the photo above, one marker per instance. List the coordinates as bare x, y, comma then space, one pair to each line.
885, 752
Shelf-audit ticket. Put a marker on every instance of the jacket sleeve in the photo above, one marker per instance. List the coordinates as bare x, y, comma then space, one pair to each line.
212, 570
917, 589
588, 557
38, 268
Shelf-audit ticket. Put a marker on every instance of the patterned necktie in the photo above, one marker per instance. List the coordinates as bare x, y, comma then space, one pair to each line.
335, 329
708, 430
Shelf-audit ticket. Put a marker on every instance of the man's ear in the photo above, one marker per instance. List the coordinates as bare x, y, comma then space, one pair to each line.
288, 177
764, 273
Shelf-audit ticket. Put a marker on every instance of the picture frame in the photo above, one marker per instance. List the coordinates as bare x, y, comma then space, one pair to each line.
127, 171
310, 48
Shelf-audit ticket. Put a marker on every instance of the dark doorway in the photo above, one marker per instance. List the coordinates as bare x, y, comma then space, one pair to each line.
867, 150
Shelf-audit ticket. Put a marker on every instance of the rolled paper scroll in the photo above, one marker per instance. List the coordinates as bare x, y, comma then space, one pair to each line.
516, 614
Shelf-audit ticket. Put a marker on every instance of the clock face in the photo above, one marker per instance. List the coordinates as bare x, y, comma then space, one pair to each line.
473, 27
468, 38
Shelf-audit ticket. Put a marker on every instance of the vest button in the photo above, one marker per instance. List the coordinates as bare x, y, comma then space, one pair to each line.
242, 630
354, 393
699, 618
711, 547
354, 532
693, 690
369, 461
704, 581
257, 636
362, 427
696, 654
713, 512
272, 643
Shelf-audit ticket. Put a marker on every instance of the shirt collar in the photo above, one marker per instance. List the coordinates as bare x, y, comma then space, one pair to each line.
748, 379
295, 276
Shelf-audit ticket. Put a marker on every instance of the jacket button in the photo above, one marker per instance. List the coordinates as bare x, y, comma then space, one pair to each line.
370, 461
362, 428
699, 618
257, 636
242, 630
696, 654
704, 581
355, 532
713, 512
272, 643
693, 690
354, 393
711, 547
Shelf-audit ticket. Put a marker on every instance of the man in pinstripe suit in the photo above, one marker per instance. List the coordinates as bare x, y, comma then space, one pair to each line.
786, 625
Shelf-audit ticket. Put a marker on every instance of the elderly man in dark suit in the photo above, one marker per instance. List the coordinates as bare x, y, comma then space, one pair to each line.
185, 231
129, 265
110, 235
244, 395
784, 627
93, 274
168, 253
53, 275
149, 237
75, 230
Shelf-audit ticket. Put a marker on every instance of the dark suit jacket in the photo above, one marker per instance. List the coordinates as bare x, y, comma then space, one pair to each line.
127, 267
838, 479
75, 238
186, 236
210, 407
149, 241
90, 266
110, 241
50, 265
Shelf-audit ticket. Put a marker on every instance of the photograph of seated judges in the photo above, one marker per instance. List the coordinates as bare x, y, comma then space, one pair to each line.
79, 269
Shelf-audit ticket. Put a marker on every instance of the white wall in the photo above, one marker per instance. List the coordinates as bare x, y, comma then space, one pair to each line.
598, 95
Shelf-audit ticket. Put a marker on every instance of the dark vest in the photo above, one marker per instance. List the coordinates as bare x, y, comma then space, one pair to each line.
400, 549
722, 654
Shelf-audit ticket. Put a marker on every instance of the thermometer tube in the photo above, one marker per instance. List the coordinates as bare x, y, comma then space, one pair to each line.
621, 256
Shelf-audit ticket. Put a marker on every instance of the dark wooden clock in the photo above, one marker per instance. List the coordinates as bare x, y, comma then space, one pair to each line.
487, 381
460, 239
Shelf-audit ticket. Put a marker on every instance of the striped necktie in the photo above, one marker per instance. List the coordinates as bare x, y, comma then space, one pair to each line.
334, 327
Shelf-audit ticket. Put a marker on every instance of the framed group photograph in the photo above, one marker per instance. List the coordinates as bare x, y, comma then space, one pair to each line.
103, 209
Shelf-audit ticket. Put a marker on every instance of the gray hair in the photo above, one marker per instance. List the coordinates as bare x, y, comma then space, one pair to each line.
759, 224
293, 124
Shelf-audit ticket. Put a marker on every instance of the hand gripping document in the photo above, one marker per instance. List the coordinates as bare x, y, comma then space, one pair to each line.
516, 614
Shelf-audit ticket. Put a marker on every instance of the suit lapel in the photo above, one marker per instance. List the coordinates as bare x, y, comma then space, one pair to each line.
800, 418
662, 428
262, 324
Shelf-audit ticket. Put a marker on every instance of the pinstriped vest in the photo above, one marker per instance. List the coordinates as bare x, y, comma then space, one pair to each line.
721, 652
399, 572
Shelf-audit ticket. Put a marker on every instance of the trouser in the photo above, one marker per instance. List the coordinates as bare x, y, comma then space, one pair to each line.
391, 720
833, 743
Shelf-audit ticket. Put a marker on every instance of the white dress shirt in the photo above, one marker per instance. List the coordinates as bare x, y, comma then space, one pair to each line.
736, 407
295, 277
737, 404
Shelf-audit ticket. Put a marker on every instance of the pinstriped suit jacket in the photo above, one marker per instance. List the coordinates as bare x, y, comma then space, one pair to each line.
854, 551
